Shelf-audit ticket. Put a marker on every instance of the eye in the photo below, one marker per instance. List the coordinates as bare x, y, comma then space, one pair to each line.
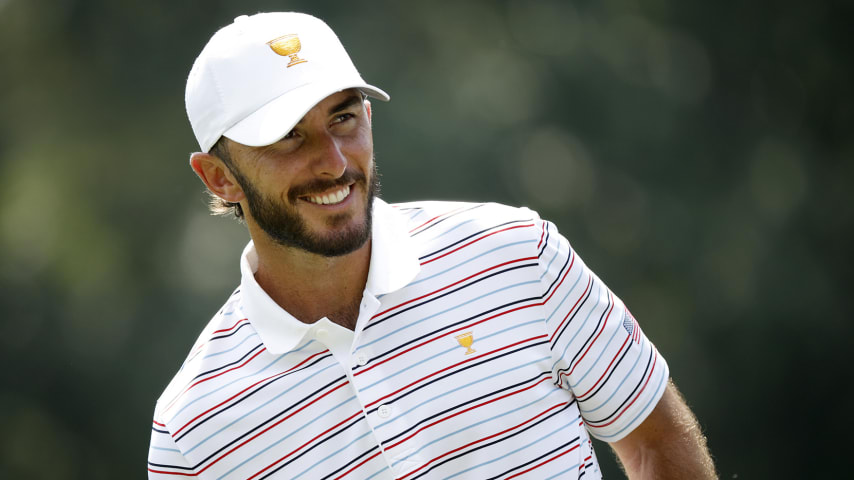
344, 117
291, 134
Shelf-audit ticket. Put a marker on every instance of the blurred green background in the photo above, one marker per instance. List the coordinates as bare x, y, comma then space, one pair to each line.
698, 155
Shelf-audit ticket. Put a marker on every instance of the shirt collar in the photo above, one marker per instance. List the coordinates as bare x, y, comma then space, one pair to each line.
394, 263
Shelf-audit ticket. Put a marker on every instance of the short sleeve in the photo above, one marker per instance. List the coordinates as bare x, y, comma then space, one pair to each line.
598, 350
165, 460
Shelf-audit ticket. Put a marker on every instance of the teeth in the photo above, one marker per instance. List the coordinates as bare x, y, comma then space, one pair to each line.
331, 198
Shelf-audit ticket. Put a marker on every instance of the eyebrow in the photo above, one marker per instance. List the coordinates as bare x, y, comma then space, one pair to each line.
349, 102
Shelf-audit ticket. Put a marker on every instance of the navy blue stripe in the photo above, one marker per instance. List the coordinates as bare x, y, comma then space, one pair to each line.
174, 467
269, 420
351, 462
590, 338
316, 444
229, 334
571, 318
455, 372
523, 465
558, 276
442, 220
376, 322
605, 382
495, 441
464, 404
628, 397
447, 327
253, 392
256, 347
472, 236
546, 241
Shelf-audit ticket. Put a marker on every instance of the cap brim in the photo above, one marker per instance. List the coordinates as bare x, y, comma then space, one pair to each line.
274, 120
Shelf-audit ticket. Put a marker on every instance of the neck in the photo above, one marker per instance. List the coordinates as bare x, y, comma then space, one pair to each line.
311, 286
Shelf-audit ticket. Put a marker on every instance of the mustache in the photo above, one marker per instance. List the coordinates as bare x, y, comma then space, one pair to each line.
320, 185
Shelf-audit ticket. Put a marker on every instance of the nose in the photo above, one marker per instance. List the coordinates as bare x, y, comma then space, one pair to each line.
329, 160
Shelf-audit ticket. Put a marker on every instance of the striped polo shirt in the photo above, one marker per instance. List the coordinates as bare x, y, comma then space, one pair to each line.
484, 349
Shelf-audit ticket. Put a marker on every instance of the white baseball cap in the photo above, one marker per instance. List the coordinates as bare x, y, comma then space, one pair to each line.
256, 78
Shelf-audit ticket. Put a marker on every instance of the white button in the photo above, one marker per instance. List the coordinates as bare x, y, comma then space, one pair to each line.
384, 411
364, 305
322, 332
362, 359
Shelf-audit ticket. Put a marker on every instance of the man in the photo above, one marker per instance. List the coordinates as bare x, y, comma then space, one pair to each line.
371, 341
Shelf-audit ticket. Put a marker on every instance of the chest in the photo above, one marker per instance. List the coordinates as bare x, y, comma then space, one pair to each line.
437, 383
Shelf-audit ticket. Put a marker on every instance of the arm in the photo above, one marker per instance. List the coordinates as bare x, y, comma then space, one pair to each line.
667, 445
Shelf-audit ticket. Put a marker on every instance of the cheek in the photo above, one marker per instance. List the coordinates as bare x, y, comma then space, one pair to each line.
361, 147
274, 185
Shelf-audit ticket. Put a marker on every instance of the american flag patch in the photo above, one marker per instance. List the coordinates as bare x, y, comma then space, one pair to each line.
631, 326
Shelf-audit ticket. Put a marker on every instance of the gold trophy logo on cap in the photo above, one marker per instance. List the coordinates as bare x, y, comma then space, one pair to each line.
288, 46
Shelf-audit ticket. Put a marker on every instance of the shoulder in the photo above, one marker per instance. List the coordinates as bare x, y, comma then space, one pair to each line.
439, 215
229, 324
447, 233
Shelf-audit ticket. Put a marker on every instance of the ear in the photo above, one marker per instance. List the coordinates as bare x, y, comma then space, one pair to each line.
216, 176
368, 108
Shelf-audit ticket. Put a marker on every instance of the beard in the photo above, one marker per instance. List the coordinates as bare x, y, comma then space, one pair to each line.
288, 228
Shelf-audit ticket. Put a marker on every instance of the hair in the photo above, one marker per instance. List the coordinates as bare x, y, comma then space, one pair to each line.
217, 205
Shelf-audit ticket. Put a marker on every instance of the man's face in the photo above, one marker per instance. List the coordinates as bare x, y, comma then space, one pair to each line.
313, 189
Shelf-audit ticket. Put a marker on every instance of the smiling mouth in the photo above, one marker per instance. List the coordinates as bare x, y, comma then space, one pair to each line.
332, 198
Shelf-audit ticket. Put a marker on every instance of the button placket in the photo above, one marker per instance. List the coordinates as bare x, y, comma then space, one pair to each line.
361, 359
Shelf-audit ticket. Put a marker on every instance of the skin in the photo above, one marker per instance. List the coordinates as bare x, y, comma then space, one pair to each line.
325, 144
667, 445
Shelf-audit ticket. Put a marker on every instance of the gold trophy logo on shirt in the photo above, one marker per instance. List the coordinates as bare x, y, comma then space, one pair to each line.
465, 340
288, 46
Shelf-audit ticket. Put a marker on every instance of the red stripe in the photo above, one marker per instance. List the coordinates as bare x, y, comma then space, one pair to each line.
584, 462
425, 427
200, 347
443, 335
571, 310
487, 438
451, 285
475, 241
542, 236
606, 369
247, 388
172, 403
358, 465
571, 263
452, 366
159, 424
434, 218
634, 399
306, 443
164, 472
542, 463
231, 327
273, 426
586, 350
